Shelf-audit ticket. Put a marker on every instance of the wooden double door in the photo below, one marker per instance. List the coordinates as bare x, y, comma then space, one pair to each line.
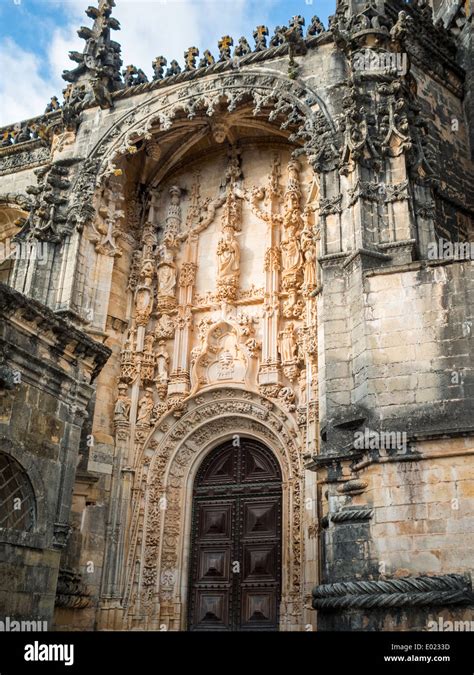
235, 575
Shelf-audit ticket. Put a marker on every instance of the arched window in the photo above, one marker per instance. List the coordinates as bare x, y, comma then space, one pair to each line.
17, 500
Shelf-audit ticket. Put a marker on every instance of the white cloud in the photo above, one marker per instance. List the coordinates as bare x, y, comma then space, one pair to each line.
24, 92
148, 29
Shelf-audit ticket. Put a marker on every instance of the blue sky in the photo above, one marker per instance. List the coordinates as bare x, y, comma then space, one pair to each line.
36, 35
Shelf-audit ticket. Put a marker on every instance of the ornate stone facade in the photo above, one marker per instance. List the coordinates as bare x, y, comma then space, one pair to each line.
250, 236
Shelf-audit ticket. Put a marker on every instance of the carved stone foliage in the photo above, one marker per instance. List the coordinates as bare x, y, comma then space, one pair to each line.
25, 157
106, 228
377, 47
165, 327
291, 251
49, 218
175, 447
297, 106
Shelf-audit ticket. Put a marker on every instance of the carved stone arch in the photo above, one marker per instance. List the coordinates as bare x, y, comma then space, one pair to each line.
291, 104
171, 457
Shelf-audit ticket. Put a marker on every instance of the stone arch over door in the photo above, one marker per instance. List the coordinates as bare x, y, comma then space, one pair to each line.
293, 107
157, 588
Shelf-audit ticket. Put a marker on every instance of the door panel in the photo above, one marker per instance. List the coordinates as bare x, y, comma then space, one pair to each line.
235, 574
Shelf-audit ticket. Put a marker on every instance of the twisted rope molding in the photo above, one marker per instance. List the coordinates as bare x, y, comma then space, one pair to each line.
351, 514
449, 589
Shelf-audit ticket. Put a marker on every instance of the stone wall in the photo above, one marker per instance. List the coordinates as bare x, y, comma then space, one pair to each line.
47, 371
402, 508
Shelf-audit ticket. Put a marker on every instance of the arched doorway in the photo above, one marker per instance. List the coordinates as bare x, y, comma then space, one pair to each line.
235, 573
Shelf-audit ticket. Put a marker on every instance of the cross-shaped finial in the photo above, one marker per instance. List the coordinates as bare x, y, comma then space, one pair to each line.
158, 66
259, 35
297, 22
207, 59
224, 45
190, 58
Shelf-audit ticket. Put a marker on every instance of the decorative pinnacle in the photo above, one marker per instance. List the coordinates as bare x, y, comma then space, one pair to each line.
260, 34
224, 45
101, 57
190, 56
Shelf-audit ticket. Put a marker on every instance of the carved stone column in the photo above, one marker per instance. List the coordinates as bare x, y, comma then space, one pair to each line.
269, 377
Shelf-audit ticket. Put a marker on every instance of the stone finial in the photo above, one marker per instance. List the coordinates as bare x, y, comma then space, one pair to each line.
260, 36
224, 45
174, 69
243, 48
7, 138
278, 37
100, 60
190, 56
52, 105
315, 27
128, 75
158, 66
23, 134
133, 76
296, 23
141, 77
207, 59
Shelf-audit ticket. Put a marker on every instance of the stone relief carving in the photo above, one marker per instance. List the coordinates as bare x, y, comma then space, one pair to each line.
144, 293
106, 228
228, 269
210, 415
162, 363
223, 354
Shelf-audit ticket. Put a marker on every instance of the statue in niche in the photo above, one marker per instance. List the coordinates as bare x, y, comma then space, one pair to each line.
290, 251
166, 273
303, 388
129, 344
162, 363
173, 218
287, 344
293, 184
148, 360
309, 252
162, 360
148, 343
122, 404
293, 217
228, 253
144, 296
145, 407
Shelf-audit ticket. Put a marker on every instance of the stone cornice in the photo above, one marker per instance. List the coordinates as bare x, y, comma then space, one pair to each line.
66, 339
